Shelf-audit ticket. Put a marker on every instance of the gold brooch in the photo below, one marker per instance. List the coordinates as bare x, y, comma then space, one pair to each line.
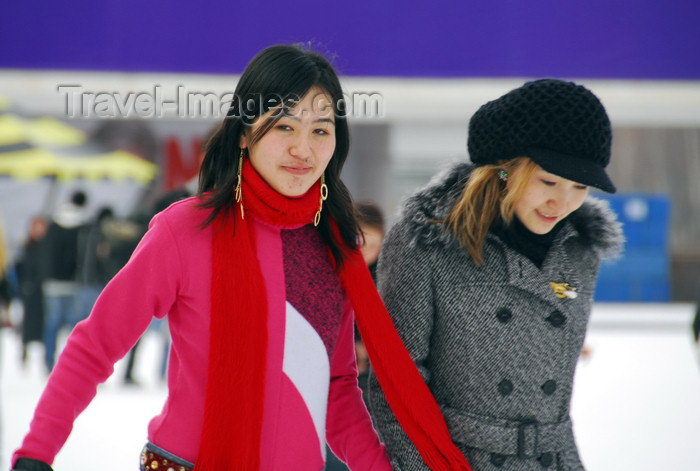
563, 290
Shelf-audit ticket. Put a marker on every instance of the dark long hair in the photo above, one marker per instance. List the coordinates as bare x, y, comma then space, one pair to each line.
275, 77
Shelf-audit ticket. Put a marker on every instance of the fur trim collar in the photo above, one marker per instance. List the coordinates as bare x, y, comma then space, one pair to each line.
594, 222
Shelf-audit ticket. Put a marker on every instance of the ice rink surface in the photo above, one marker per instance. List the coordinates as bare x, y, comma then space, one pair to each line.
636, 403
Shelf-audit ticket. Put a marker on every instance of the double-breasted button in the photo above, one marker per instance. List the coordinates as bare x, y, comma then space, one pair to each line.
498, 460
505, 387
549, 387
504, 315
557, 319
546, 460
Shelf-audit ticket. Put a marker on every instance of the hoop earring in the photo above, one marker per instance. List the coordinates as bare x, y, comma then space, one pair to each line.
324, 197
239, 180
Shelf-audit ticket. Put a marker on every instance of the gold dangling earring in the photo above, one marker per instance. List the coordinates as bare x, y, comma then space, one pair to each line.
239, 179
324, 197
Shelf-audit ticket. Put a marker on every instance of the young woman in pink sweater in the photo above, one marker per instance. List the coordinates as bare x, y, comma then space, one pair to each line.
261, 278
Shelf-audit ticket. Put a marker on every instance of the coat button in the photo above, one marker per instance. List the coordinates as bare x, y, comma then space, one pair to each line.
549, 387
504, 315
546, 460
505, 387
498, 460
557, 319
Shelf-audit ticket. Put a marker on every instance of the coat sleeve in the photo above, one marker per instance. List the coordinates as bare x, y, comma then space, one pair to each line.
405, 285
349, 429
145, 287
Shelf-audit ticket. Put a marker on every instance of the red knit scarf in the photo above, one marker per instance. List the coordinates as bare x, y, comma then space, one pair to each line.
231, 434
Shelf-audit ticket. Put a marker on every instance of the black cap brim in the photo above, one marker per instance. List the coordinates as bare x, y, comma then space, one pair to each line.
572, 168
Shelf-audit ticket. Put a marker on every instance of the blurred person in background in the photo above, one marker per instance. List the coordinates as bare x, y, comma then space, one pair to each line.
60, 286
489, 278
5, 292
372, 224
91, 273
31, 269
5, 295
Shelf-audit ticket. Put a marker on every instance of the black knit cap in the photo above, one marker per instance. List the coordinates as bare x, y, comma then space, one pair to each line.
560, 125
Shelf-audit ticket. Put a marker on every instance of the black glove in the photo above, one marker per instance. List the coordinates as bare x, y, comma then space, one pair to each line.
28, 464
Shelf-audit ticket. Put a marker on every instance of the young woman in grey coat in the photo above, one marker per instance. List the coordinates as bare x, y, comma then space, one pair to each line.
489, 279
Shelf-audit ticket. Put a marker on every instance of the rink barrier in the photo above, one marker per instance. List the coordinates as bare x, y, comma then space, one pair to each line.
642, 273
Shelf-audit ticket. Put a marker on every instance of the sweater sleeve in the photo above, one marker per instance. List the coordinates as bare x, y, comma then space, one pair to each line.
405, 285
146, 286
349, 429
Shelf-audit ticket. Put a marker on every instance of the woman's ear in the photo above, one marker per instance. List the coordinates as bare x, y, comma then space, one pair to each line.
243, 140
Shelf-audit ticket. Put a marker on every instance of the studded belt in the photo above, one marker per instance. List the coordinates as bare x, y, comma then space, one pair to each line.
524, 439
153, 457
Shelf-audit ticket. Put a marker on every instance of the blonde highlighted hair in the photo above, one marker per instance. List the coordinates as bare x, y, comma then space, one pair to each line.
486, 196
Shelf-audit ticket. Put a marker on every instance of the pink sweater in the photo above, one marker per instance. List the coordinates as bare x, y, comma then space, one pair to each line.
311, 384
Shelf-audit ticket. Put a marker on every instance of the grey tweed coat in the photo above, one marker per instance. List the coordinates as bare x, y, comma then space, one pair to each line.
496, 346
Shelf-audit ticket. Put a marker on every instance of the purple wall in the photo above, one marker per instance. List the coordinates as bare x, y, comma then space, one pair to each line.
643, 39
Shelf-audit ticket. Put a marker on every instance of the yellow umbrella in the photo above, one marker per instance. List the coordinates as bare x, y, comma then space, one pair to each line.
43, 131
27, 163
114, 165
33, 148
54, 133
